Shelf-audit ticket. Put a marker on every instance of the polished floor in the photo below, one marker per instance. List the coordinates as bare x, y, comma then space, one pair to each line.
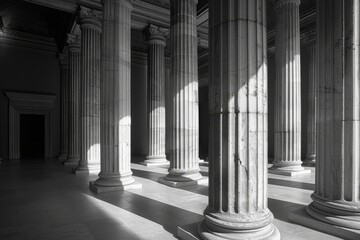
44, 200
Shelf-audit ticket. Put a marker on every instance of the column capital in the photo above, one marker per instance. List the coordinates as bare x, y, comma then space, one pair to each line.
90, 18
155, 34
282, 3
74, 42
63, 59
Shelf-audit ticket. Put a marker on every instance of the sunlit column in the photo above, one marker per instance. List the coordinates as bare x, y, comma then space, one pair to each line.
90, 25
287, 159
312, 104
156, 96
184, 109
336, 199
115, 123
74, 104
64, 78
238, 123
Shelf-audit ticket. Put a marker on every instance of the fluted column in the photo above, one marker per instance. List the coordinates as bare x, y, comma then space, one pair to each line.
74, 104
64, 78
238, 123
312, 101
156, 96
90, 25
287, 159
184, 115
336, 200
115, 120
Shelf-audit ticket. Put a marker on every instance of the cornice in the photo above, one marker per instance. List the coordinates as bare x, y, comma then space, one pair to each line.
27, 40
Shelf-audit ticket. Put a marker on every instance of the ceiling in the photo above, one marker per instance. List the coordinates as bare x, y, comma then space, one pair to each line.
35, 19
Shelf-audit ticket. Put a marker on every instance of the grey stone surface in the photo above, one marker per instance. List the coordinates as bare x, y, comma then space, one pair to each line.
238, 158
90, 25
156, 38
115, 123
183, 101
312, 105
74, 102
64, 78
336, 199
287, 130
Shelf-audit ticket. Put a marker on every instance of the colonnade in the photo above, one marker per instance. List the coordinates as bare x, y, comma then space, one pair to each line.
238, 108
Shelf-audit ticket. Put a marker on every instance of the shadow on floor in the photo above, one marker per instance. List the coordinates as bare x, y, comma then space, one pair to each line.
286, 183
282, 209
168, 216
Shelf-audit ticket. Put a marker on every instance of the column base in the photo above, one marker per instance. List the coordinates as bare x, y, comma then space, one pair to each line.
301, 217
288, 168
309, 163
192, 232
93, 169
175, 184
62, 157
101, 189
71, 161
155, 161
111, 182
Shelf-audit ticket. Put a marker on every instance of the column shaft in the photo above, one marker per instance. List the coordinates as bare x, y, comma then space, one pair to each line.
90, 91
312, 102
287, 129
74, 104
115, 120
238, 123
184, 116
336, 199
64, 76
156, 97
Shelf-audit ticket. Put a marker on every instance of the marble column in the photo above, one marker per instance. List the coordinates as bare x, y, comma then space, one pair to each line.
312, 101
115, 108
287, 154
237, 206
156, 38
64, 79
184, 109
90, 25
74, 100
336, 200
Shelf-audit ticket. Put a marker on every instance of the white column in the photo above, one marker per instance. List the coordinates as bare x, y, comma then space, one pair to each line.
90, 25
287, 155
336, 200
74, 103
115, 123
64, 78
312, 104
184, 115
238, 123
156, 38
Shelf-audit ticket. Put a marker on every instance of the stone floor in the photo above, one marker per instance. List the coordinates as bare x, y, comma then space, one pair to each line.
44, 200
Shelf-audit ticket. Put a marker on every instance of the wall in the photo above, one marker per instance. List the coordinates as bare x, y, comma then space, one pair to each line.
139, 103
28, 71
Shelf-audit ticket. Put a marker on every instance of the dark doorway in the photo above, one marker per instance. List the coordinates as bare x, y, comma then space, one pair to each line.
32, 136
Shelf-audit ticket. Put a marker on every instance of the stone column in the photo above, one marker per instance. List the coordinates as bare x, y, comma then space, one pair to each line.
156, 96
74, 104
312, 101
64, 78
115, 118
90, 25
287, 154
238, 123
184, 116
336, 200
